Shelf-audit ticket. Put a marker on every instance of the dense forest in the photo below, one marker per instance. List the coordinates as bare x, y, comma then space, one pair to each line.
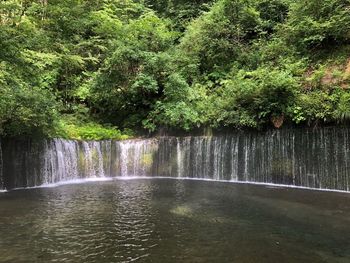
113, 68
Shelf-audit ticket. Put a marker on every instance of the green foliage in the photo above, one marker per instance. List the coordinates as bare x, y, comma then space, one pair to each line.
272, 13
181, 12
183, 107
174, 63
27, 104
131, 78
26, 111
318, 106
217, 39
250, 99
72, 128
342, 111
317, 24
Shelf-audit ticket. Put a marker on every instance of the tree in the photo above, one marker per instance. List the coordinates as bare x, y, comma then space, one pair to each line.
317, 24
131, 79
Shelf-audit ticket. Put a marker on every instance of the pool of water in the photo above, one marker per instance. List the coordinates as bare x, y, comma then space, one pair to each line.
164, 220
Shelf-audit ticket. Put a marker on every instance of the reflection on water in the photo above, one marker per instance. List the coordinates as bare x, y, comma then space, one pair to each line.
165, 220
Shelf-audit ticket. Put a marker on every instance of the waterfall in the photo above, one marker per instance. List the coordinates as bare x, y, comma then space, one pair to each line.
92, 160
1, 170
299, 157
179, 158
136, 157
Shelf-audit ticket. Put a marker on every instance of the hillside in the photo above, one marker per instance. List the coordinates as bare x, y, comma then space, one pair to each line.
115, 68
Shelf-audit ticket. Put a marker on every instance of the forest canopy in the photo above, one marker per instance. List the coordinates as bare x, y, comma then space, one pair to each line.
112, 68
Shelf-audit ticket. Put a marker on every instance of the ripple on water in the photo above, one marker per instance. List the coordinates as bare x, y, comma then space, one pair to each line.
173, 221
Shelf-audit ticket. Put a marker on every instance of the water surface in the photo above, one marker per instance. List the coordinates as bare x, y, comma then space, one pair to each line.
164, 220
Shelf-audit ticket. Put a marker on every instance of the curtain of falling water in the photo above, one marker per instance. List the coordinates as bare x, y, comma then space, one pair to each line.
1, 169
315, 159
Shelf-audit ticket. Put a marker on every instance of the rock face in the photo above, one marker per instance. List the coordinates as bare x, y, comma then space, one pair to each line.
277, 121
300, 157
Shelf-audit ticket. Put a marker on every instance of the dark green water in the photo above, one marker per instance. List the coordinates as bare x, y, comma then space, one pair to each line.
163, 220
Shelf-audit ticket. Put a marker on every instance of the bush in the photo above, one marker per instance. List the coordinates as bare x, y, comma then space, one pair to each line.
253, 98
342, 112
70, 128
183, 107
317, 106
317, 24
26, 111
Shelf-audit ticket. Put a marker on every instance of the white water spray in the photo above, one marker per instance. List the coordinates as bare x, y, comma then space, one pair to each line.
287, 157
